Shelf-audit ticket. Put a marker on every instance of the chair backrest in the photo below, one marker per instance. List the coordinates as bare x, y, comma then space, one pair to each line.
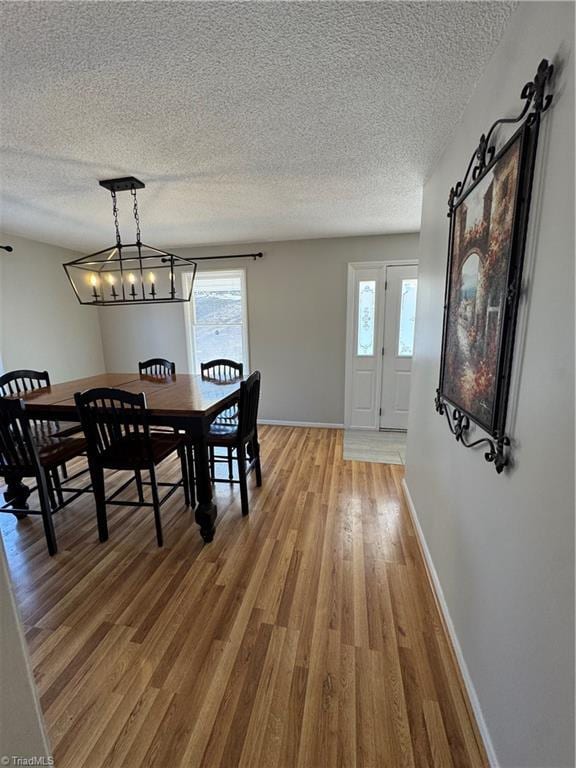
157, 366
17, 450
248, 405
19, 382
110, 415
221, 370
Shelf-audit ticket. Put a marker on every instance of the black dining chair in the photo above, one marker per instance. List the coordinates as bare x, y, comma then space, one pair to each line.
157, 366
22, 456
21, 382
160, 368
223, 371
241, 437
116, 425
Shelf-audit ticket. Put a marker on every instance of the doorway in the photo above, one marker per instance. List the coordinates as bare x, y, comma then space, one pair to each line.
380, 344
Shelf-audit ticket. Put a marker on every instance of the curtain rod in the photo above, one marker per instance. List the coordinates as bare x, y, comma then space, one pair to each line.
254, 256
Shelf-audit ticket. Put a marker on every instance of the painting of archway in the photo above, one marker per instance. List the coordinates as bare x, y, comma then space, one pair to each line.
480, 255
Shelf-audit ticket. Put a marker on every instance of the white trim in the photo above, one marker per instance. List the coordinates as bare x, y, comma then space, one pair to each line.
443, 606
281, 423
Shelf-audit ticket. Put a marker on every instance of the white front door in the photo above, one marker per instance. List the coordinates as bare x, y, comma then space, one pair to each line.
364, 355
399, 317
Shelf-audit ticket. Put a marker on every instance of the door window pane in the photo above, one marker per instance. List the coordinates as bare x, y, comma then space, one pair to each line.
407, 318
366, 317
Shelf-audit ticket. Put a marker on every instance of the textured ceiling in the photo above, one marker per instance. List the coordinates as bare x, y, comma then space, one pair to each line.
247, 121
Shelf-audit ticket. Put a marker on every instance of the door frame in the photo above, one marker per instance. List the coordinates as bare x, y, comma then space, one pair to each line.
379, 340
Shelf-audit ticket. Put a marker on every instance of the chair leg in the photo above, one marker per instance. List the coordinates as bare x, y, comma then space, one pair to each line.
230, 464
97, 477
184, 470
58, 486
258, 467
139, 486
64, 471
50, 489
156, 503
241, 454
212, 462
191, 476
46, 507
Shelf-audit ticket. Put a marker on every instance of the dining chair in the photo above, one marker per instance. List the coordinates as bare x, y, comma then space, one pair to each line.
157, 366
241, 437
22, 456
21, 382
223, 371
160, 368
118, 435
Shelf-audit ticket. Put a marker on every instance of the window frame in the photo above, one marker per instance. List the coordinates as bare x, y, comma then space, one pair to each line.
189, 314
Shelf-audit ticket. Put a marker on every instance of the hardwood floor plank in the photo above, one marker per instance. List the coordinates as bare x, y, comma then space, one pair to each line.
306, 635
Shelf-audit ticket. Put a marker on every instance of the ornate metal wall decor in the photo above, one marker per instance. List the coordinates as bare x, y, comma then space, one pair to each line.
488, 213
133, 273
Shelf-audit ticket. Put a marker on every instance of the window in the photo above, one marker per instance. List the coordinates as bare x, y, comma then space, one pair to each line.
366, 317
407, 318
216, 315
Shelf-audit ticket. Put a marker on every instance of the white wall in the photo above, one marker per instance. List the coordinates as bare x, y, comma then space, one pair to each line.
503, 546
296, 318
22, 730
42, 325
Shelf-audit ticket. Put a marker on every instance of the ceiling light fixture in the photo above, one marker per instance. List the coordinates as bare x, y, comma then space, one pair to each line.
132, 273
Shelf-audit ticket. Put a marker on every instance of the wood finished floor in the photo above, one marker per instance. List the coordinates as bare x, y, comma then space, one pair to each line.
305, 635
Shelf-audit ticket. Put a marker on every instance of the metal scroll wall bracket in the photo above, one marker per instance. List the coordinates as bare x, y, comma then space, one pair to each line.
459, 424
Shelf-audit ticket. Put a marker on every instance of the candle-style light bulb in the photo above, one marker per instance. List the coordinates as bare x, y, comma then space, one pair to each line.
152, 278
94, 283
111, 282
132, 280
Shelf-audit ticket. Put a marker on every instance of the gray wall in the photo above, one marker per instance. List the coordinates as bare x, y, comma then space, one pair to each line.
42, 325
296, 318
503, 546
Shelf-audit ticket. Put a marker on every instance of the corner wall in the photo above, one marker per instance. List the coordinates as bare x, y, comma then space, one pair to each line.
503, 546
296, 317
42, 325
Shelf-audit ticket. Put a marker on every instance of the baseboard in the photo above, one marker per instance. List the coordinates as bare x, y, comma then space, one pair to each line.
451, 632
320, 424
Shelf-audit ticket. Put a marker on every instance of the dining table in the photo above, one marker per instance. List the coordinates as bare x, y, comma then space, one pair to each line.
186, 402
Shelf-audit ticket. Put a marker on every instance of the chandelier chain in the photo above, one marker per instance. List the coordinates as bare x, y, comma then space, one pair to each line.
115, 214
136, 214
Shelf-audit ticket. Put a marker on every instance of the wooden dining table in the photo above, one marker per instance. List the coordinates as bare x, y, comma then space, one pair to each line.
184, 401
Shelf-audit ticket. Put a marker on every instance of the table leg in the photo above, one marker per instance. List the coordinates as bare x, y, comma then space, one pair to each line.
205, 513
17, 493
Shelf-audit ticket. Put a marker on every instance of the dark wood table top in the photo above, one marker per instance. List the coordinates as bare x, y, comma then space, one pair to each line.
183, 394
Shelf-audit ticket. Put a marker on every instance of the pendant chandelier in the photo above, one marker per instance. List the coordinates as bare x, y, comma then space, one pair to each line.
130, 273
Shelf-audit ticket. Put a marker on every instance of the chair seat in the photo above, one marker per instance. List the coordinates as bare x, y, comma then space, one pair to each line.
44, 432
55, 451
136, 453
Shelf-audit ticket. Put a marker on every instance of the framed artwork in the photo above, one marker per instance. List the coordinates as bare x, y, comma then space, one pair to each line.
488, 214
